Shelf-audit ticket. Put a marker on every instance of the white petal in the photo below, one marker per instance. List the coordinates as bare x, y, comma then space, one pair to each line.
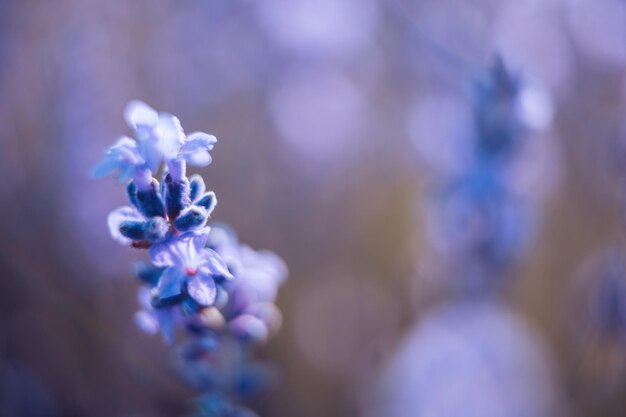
139, 115
196, 148
169, 135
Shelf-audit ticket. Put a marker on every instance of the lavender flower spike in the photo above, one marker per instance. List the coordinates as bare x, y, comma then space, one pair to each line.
220, 292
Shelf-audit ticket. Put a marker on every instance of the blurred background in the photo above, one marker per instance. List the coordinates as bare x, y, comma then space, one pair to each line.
324, 111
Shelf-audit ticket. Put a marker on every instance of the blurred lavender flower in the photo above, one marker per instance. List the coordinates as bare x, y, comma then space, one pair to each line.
496, 113
202, 281
152, 320
249, 311
477, 220
471, 359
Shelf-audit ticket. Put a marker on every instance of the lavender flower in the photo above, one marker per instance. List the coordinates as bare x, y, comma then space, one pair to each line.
159, 138
199, 280
249, 312
189, 268
478, 221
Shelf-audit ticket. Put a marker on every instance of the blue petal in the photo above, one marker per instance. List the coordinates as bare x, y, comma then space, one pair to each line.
214, 264
191, 218
123, 157
171, 283
208, 201
197, 187
161, 255
182, 251
196, 149
165, 317
200, 237
107, 166
119, 215
202, 289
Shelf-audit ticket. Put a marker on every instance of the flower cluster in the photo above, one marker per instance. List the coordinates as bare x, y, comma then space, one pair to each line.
199, 278
476, 220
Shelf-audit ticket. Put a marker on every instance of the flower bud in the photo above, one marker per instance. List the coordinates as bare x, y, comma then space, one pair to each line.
269, 314
221, 297
149, 201
155, 228
152, 229
196, 187
191, 218
176, 195
212, 318
208, 201
131, 191
249, 329
132, 229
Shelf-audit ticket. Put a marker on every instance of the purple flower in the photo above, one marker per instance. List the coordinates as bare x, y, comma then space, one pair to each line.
258, 272
188, 284
190, 268
123, 159
250, 312
158, 134
164, 139
195, 149
153, 133
159, 137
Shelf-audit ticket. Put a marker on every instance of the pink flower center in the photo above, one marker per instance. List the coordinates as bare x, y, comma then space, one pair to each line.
191, 271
